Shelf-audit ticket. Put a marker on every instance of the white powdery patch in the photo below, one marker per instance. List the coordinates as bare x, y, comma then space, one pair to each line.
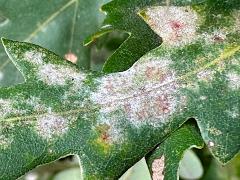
34, 57
1, 75
206, 75
35, 102
5, 142
59, 74
214, 37
5, 108
51, 125
234, 112
146, 93
158, 168
234, 80
175, 25
236, 15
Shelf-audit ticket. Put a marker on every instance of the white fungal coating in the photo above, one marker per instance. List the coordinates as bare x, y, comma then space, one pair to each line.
206, 75
35, 102
216, 36
234, 80
5, 142
234, 112
175, 25
158, 168
34, 57
146, 93
59, 75
51, 125
5, 107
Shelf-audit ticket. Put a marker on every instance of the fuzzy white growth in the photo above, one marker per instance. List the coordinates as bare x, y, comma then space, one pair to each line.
51, 125
206, 75
215, 37
34, 57
1, 75
234, 112
4, 142
234, 80
5, 108
175, 25
146, 93
236, 15
158, 168
59, 75
35, 102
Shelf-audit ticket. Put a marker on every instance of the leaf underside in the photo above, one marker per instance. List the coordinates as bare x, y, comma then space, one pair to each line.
111, 121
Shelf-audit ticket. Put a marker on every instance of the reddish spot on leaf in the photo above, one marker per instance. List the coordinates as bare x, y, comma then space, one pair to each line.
176, 25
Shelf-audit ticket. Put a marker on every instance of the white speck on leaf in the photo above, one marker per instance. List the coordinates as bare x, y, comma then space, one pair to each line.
5, 142
51, 125
5, 107
234, 80
211, 144
175, 25
158, 168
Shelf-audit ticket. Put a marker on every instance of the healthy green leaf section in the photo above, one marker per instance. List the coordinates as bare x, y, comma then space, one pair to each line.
59, 25
164, 161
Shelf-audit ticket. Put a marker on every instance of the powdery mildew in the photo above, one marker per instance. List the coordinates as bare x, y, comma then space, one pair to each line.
35, 102
51, 125
146, 93
59, 75
158, 168
5, 107
234, 112
175, 25
234, 80
5, 142
206, 75
34, 57
216, 36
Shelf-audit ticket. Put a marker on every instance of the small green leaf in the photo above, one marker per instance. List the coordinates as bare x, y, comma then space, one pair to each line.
165, 160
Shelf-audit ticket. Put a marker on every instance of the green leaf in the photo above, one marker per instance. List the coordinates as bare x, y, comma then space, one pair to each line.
123, 15
112, 121
164, 161
59, 25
